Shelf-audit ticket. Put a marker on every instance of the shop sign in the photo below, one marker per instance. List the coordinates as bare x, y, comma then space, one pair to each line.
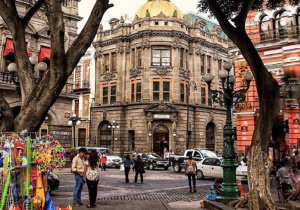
162, 116
243, 106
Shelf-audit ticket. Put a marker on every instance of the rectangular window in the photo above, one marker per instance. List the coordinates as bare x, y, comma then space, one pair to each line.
132, 92
161, 57
133, 58
106, 63
138, 92
114, 61
140, 58
182, 92
105, 95
76, 108
166, 91
202, 64
113, 94
208, 64
203, 96
156, 88
181, 57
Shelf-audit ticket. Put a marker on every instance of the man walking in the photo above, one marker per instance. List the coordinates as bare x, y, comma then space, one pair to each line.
79, 168
127, 165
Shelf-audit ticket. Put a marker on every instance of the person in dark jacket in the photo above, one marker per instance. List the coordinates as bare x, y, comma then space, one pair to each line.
139, 169
127, 164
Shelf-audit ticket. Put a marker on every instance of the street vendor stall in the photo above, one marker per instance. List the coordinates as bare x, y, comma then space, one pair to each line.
26, 164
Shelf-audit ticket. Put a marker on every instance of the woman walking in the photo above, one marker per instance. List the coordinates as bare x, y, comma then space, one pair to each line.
139, 169
92, 177
127, 165
190, 171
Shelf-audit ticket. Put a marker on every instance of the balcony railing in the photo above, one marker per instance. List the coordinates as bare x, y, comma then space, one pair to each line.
272, 36
6, 78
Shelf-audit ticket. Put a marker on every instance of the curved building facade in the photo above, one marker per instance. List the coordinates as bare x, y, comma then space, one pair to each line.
149, 81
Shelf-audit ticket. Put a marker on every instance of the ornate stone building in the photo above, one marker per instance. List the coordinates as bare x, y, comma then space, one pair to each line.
149, 80
38, 44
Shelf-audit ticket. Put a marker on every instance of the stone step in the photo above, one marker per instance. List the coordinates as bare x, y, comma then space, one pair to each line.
295, 205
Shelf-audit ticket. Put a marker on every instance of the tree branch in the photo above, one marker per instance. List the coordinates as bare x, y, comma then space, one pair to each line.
240, 19
32, 11
227, 27
8, 15
12, 5
86, 36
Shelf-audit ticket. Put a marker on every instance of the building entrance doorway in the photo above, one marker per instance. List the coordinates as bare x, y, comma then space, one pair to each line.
160, 139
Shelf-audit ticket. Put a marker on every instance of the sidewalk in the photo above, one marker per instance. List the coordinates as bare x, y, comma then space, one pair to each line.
144, 205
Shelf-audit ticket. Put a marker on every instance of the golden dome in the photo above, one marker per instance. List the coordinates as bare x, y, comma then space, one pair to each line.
156, 7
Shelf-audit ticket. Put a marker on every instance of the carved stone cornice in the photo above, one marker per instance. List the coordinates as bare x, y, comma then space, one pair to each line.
109, 76
161, 108
150, 33
135, 72
162, 70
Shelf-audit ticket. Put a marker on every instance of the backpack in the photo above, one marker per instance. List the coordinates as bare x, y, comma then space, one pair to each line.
190, 168
93, 174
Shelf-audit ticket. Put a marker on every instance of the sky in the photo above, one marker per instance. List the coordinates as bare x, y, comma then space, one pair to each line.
128, 7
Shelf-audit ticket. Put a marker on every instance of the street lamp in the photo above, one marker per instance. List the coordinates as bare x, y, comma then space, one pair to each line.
228, 97
189, 84
12, 69
113, 126
73, 121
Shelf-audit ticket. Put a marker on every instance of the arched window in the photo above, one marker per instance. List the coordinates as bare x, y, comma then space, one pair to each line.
265, 29
105, 135
281, 24
210, 136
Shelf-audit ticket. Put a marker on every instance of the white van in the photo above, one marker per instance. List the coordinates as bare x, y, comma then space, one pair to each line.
113, 160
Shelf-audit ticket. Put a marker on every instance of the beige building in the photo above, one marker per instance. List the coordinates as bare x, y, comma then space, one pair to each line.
149, 81
38, 44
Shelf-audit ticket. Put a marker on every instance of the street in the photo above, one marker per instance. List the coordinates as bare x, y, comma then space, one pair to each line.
159, 185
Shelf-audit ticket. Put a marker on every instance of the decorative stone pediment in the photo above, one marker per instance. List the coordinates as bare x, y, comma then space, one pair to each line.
185, 74
109, 76
162, 70
161, 108
161, 14
135, 72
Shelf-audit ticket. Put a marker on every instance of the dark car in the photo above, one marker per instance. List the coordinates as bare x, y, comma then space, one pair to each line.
153, 161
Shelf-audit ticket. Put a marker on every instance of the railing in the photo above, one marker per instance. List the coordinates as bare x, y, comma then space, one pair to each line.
7, 78
85, 84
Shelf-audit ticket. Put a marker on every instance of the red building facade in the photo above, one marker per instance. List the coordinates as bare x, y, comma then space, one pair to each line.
276, 37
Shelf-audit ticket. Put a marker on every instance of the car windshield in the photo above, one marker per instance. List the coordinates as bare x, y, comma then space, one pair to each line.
153, 156
207, 153
107, 152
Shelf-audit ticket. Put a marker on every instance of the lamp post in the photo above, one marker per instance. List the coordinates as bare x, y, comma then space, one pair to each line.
91, 106
113, 126
228, 97
12, 69
73, 121
189, 84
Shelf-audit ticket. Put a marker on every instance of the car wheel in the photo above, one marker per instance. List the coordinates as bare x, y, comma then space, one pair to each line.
177, 167
166, 168
200, 175
151, 166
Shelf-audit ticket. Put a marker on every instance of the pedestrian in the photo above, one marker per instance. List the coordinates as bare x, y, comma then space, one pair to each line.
127, 165
139, 169
190, 171
78, 169
103, 161
92, 177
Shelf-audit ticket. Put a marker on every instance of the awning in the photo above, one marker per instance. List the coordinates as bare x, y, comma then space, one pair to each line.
9, 48
45, 53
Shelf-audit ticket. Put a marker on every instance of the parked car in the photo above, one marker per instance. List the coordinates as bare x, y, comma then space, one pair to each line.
178, 162
113, 160
153, 161
211, 167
